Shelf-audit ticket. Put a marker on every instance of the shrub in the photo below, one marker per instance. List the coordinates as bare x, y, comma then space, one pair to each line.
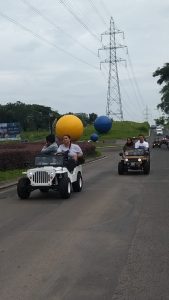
87, 148
16, 155
16, 159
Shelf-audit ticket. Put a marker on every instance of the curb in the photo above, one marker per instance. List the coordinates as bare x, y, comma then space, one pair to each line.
7, 185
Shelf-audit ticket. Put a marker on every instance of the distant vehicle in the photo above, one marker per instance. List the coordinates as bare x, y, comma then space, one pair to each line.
153, 126
159, 131
135, 159
159, 127
164, 141
156, 143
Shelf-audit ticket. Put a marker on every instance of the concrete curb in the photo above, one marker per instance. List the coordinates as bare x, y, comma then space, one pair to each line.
7, 185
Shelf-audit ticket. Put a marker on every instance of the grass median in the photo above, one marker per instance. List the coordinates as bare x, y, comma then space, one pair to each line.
10, 175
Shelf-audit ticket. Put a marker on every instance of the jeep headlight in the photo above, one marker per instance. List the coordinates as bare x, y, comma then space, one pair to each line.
52, 175
30, 175
139, 159
126, 159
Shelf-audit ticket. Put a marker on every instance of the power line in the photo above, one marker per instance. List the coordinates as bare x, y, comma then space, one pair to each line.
69, 8
37, 11
97, 12
83, 15
105, 8
44, 39
129, 105
135, 81
134, 88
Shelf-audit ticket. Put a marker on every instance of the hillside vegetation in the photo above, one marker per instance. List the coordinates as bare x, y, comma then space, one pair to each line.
119, 130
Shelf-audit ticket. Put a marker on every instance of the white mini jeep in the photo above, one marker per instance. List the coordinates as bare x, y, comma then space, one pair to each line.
55, 172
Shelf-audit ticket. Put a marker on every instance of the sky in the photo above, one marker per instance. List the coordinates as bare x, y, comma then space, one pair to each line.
49, 54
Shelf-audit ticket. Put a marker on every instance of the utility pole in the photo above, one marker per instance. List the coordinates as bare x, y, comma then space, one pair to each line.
114, 103
146, 114
50, 122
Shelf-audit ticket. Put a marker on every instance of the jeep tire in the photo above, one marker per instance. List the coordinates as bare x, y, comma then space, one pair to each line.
77, 185
65, 187
146, 168
23, 188
120, 168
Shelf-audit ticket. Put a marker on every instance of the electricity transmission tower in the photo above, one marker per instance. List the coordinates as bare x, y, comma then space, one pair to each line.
114, 103
146, 114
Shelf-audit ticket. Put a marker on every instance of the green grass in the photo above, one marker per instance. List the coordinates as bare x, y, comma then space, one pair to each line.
94, 155
34, 135
119, 130
10, 174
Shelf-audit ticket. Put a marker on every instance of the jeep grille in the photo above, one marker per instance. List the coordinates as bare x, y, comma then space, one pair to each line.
41, 177
133, 160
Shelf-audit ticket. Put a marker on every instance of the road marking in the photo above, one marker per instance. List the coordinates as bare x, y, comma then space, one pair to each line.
90, 162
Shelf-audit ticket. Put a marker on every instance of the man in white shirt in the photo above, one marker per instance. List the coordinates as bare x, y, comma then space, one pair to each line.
141, 143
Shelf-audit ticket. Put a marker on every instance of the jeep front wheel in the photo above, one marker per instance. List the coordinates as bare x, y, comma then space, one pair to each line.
77, 185
23, 188
146, 168
121, 168
65, 187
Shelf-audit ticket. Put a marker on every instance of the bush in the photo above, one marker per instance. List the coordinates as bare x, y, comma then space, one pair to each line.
16, 159
16, 155
87, 148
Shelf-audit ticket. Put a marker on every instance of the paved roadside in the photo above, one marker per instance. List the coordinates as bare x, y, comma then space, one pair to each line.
7, 184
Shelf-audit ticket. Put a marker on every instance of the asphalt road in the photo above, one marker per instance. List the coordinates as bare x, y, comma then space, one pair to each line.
111, 241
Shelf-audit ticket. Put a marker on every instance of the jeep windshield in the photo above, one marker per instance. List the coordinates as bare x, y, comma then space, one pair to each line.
135, 152
49, 160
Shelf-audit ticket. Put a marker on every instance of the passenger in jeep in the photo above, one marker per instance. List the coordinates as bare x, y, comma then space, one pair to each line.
51, 146
129, 144
141, 143
73, 150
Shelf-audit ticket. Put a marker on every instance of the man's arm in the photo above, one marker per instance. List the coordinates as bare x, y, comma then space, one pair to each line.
49, 149
137, 144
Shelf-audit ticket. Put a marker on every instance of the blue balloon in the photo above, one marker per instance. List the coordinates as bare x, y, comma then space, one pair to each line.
94, 137
103, 124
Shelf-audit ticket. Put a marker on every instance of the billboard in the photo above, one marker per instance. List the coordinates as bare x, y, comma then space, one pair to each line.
10, 131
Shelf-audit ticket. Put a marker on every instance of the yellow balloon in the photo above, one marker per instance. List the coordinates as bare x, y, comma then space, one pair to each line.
69, 125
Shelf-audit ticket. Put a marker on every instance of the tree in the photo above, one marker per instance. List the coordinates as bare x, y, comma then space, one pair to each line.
83, 117
92, 118
30, 116
160, 121
163, 73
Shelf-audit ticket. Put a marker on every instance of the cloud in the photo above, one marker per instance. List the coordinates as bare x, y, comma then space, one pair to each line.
55, 63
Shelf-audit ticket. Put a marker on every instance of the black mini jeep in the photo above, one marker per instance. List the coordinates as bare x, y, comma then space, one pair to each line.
156, 143
135, 159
